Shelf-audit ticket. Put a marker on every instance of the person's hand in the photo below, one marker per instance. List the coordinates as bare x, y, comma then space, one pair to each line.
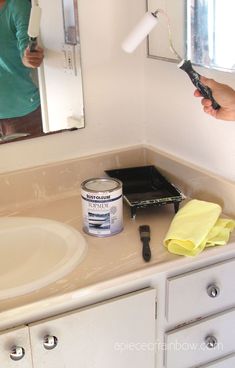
224, 95
33, 59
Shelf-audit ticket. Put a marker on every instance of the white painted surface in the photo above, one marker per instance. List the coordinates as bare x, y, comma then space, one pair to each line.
83, 334
109, 334
193, 286
177, 124
227, 362
16, 337
186, 347
130, 99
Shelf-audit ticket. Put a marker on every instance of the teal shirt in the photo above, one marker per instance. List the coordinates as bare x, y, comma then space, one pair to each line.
18, 94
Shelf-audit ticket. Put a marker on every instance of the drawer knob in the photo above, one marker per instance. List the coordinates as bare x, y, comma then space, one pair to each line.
213, 291
211, 342
50, 342
17, 353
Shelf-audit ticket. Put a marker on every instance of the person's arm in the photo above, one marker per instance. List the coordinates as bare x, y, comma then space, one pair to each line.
21, 19
224, 95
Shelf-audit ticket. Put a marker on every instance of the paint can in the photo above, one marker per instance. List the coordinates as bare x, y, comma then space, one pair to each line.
102, 206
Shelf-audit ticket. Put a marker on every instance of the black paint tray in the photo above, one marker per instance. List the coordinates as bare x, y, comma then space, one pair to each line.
145, 186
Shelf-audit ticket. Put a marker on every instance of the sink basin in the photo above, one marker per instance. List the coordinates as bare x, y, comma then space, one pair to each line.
35, 252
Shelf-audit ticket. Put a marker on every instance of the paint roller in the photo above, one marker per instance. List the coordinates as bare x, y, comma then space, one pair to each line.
34, 25
143, 28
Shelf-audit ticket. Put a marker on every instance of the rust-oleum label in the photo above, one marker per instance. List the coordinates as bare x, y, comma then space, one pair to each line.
102, 206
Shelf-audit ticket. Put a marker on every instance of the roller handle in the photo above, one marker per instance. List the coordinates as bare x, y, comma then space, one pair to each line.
32, 44
205, 91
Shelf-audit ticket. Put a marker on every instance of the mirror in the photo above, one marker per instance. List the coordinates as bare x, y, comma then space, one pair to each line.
58, 80
202, 31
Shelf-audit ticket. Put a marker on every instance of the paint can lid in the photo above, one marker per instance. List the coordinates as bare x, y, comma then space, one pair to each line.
101, 184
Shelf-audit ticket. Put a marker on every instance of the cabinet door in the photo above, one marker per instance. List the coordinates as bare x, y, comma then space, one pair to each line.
116, 333
15, 348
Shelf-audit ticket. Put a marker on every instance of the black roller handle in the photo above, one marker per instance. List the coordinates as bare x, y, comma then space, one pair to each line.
144, 231
205, 91
32, 44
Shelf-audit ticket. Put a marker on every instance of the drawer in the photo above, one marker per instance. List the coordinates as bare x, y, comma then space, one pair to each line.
202, 292
227, 362
201, 342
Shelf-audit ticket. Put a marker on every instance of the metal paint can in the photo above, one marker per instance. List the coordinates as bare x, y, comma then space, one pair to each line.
102, 206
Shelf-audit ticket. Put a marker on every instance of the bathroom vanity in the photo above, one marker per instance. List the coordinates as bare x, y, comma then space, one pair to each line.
114, 309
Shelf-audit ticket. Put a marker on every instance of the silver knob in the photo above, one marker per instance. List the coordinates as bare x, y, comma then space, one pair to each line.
213, 291
17, 353
50, 342
211, 342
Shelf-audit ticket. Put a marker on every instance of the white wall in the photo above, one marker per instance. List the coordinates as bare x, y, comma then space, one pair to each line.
177, 124
130, 99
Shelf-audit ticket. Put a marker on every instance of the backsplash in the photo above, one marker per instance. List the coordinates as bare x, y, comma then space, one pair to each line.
30, 187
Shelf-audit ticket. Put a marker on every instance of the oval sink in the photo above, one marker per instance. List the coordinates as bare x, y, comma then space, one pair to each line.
35, 252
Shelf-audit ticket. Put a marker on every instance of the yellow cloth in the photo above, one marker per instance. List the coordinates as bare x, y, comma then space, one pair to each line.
195, 226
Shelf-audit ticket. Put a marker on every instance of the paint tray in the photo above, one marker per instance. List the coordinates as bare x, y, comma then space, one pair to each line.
145, 186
